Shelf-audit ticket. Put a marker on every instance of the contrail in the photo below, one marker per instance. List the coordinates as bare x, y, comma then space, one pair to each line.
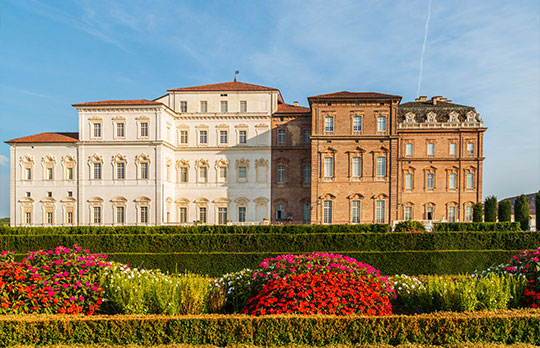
423, 50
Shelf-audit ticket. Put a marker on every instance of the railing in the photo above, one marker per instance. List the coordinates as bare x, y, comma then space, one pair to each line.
405, 124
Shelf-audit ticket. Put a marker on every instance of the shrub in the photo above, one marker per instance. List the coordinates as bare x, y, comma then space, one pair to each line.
477, 226
477, 212
321, 293
505, 211
409, 225
521, 212
490, 209
527, 264
233, 290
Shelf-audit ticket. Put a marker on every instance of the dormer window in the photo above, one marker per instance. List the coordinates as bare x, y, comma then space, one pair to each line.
431, 118
409, 118
453, 118
470, 118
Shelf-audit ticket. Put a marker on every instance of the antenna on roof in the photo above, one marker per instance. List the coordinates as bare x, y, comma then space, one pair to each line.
236, 72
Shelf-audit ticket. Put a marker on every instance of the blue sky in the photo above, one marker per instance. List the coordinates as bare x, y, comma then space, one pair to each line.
480, 53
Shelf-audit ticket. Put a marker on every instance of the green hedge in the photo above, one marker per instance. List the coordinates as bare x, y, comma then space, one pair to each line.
501, 327
477, 226
278, 242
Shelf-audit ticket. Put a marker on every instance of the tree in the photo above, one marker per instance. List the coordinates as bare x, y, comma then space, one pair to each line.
537, 204
505, 211
521, 212
477, 212
490, 209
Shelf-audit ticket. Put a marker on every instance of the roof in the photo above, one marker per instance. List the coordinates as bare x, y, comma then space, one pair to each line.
291, 109
224, 86
429, 104
354, 95
119, 102
48, 137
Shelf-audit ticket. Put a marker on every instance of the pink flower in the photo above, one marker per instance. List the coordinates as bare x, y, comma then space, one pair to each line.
65, 286
72, 299
81, 298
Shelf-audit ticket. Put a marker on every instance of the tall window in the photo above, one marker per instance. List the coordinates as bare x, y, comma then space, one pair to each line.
202, 214
430, 181
355, 213
280, 211
97, 215
97, 130
222, 216
307, 134
327, 212
183, 106
452, 214
281, 173
329, 124
120, 170
381, 124
242, 137
203, 137
144, 215
306, 215
452, 180
28, 173
470, 180
224, 106
408, 213
144, 170
70, 173
182, 215
381, 167
97, 170
28, 218
470, 149
242, 173
356, 167
408, 181
241, 214
120, 215
429, 213
120, 129
357, 123
328, 167
380, 211
223, 173
50, 218
69, 217
281, 136
453, 149
306, 170
223, 137
183, 137
243, 106
204, 106
183, 174
203, 174
430, 149
49, 174
408, 149
468, 213
144, 129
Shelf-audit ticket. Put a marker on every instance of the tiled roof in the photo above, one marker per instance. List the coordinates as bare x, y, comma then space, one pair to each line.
49, 137
292, 109
225, 86
119, 102
347, 95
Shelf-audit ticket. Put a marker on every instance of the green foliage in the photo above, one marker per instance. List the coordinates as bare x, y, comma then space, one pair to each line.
490, 209
505, 211
409, 225
236, 289
537, 205
4, 221
477, 212
476, 226
521, 212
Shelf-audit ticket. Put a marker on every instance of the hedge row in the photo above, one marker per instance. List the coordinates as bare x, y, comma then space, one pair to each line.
164, 243
501, 327
209, 229
477, 226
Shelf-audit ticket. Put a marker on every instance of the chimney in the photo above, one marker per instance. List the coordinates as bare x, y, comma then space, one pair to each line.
422, 98
295, 103
435, 99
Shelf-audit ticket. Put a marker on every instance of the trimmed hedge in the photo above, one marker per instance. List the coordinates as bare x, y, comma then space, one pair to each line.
278, 242
209, 229
477, 226
222, 330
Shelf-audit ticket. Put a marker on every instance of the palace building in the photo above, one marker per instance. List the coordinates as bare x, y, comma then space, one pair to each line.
237, 153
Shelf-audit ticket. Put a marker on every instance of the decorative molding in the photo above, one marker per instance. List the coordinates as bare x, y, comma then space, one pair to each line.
48, 159
182, 163
261, 201
242, 162
222, 162
119, 158
142, 199
95, 158
142, 158
261, 163
95, 200
69, 159
27, 159
242, 201
202, 163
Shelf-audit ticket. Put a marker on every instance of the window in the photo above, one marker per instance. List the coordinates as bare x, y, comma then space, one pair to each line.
381, 167
202, 214
49, 174
120, 129
408, 149
242, 137
429, 213
183, 174
381, 124
28, 194
50, 219
144, 215
69, 173
380, 211
470, 149
408, 213
452, 214
97, 130
242, 173
28, 174
430, 181
97, 215
203, 137
97, 170
468, 213
241, 214
120, 215
408, 181
183, 106
224, 106
328, 167
204, 106
306, 215
69, 217
120, 170
280, 173
28, 217
452, 180
307, 134
222, 216
453, 118
223, 137
203, 174
70, 193
470, 180
329, 124
223, 173
144, 170
355, 213
327, 212
280, 211
183, 137
306, 169
356, 167
49, 194
182, 215
430, 149
144, 129
453, 149
281, 136
357, 123
243, 106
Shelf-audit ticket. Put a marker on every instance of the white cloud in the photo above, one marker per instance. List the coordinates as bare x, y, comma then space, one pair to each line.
3, 160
